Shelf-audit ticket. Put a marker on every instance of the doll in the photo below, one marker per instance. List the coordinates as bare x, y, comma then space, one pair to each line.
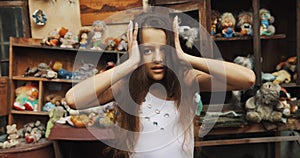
227, 24
26, 98
96, 34
83, 38
245, 20
215, 21
266, 20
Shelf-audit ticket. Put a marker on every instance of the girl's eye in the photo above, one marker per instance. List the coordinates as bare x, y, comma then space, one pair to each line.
147, 51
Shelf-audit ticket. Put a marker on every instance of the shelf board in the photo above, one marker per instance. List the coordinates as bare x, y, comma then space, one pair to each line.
277, 36
29, 112
66, 49
289, 85
21, 78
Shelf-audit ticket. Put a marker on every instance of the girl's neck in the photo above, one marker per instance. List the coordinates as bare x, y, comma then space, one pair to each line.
159, 91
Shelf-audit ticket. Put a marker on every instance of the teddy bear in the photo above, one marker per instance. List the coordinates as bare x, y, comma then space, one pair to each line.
265, 104
53, 38
12, 139
227, 24
266, 20
68, 40
286, 71
245, 20
26, 97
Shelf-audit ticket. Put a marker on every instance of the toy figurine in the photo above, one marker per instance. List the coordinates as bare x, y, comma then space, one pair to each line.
68, 40
26, 98
215, 22
227, 24
265, 21
83, 38
95, 36
245, 20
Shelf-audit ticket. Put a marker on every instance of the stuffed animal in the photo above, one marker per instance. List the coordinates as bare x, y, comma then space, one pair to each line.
86, 70
266, 20
228, 24
68, 40
53, 38
122, 43
282, 76
111, 44
96, 35
188, 34
265, 104
26, 98
42, 70
12, 139
245, 20
65, 74
52, 100
290, 65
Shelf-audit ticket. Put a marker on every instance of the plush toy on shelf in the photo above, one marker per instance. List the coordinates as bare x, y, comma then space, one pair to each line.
286, 71
265, 105
26, 97
266, 20
12, 139
96, 35
245, 20
52, 100
228, 24
68, 40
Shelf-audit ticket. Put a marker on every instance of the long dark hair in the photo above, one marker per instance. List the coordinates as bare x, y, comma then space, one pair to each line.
138, 85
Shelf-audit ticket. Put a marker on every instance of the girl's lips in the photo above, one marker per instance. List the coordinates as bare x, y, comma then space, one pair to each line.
157, 69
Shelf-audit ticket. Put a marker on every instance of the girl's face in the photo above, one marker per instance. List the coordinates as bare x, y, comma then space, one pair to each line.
153, 51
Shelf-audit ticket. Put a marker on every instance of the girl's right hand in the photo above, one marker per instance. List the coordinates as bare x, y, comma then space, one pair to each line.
133, 48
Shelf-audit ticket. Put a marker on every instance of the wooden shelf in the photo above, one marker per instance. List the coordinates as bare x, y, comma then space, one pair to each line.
21, 78
29, 112
276, 36
66, 132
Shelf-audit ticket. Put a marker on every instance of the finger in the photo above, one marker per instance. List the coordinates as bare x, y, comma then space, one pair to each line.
135, 32
176, 30
129, 34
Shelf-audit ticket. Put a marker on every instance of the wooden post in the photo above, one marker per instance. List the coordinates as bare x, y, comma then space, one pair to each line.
256, 41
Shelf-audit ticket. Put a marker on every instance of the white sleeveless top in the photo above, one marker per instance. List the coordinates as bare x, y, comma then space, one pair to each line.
161, 135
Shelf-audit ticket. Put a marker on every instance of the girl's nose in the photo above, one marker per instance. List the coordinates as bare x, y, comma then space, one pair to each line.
157, 57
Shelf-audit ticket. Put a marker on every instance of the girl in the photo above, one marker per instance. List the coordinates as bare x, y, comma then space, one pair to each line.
154, 88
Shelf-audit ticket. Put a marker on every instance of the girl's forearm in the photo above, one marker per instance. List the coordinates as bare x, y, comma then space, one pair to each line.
237, 76
88, 90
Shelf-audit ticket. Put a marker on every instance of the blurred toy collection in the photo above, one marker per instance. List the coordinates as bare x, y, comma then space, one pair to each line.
228, 24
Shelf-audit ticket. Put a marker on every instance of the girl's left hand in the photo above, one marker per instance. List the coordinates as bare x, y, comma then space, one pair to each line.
178, 48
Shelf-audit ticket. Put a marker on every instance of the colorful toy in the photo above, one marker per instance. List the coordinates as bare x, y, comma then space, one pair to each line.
96, 35
12, 139
245, 20
83, 38
227, 24
26, 98
215, 22
266, 20
68, 40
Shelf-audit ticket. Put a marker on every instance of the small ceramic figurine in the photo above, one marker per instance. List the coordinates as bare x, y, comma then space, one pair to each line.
227, 24
96, 34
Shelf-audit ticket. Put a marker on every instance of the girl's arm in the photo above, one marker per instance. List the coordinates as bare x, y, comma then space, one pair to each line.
215, 74
87, 93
